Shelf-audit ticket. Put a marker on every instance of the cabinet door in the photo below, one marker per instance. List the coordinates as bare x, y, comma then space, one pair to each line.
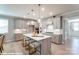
46, 46
56, 23
56, 39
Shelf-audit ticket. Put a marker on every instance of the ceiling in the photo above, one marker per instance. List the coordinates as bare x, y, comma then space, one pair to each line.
34, 11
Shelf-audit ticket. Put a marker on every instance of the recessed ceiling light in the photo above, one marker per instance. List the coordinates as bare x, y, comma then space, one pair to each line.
39, 20
24, 16
28, 23
43, 9
32, 22
51, 13
41, 16
34, 14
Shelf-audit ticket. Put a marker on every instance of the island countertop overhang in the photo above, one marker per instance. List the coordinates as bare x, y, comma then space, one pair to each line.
38, 37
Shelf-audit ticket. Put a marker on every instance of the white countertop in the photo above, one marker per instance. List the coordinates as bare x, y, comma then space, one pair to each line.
37, 38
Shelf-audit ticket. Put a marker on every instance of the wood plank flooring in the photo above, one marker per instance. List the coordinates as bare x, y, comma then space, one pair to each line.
14, 48
71, 47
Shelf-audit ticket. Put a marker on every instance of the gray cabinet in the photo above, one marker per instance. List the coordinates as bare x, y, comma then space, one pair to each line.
57, 22
57, 39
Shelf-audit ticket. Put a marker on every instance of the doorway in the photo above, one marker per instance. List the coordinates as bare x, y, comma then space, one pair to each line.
72, 35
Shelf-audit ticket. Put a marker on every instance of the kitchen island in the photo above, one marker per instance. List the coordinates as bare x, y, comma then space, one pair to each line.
45, 42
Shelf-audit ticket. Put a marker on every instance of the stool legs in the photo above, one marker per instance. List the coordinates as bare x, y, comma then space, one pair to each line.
33, 46
0, 50
40, 49
35, 49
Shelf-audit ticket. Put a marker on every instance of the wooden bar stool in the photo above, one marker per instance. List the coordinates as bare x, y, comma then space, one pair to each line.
27, 43
1, 42
35, 48
32, 46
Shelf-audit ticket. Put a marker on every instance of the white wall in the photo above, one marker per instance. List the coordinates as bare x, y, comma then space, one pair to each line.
10, 35
10, 30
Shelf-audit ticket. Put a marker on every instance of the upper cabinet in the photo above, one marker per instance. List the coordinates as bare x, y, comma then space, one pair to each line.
56, 23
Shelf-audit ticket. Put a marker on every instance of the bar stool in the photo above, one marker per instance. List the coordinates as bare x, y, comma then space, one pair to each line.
1, 43
27, 42
35, 48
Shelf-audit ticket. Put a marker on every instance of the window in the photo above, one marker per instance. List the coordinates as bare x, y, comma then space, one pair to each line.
50, 28
3, 26
75, 26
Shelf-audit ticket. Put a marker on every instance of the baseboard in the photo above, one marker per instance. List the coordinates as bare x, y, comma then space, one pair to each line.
57, 43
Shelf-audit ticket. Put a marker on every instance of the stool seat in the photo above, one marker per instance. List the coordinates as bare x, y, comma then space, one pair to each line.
36, 47
35, 44
32, 46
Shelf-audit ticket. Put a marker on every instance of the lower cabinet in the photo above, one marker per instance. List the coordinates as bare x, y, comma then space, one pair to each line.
57, 39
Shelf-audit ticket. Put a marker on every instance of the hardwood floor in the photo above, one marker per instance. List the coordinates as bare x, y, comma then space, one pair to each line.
14, 48
71, 47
